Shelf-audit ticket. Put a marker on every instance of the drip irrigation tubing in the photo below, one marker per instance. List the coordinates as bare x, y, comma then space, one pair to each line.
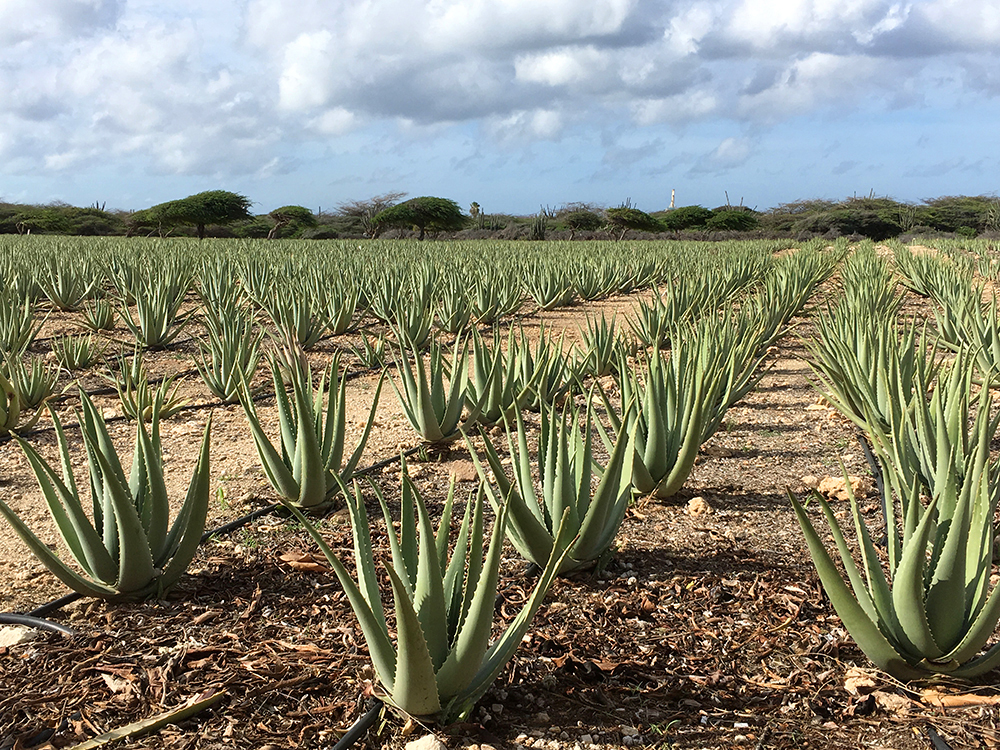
360, 727
37, 623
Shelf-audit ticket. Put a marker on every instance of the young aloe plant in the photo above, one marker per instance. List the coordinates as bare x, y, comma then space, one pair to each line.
77, 352
158, 296
599, 354
99, 316
496, 389
139, 399
566, 467
674, 399
442, 661
35, 382
231, 351
932, 611
307, 469
434, 408
12, 408
125, 549
17, 322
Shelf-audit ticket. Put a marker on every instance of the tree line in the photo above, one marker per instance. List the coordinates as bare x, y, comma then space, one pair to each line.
220, 213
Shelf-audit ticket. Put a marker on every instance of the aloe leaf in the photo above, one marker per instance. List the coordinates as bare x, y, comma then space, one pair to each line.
472, 638
428, 588
525, 530
278, 474
380, 648
908, 589
84, 542
503, 648
945, 598
609, 504
181, 544
348, 469
48, 558
415, 690
864, 631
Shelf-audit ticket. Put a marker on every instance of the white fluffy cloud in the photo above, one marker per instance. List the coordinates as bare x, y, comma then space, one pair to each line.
232, 86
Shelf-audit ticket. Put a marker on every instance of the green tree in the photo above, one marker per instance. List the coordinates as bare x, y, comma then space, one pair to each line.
625, 218
581, 220
732, 219
952, 213
201, 209
296, 218
424, 213
686, 217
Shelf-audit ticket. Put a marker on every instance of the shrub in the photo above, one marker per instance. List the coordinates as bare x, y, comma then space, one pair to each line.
686, 217
732, 219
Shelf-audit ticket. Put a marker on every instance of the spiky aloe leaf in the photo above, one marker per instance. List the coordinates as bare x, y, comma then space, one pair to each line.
857, 622
380, 648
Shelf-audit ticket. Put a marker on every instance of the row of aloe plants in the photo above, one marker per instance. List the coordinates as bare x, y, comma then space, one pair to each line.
928, 608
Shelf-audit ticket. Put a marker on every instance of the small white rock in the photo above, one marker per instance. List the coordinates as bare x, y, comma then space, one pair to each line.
11, 635
427, 742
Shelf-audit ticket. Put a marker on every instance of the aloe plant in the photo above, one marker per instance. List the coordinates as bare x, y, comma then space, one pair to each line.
494, 296
77, 352
294, 312
930, 610
127, 548
17, 323
99, 315
544, 367
371, 352
549, 285
308, 466
411, 321
230, 353
68, 281
12, 408
496, 388
434, 391
566, 469
442, 661
600, 353
453, 308
139, 399
35, 383
158, 295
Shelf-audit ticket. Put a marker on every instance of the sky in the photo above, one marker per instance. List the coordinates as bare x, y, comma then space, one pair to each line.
514, 104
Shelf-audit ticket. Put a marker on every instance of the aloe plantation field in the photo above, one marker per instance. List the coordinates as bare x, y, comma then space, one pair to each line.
515, 494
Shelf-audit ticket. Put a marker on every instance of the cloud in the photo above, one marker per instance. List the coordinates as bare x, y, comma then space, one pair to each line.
27, 21
246, 87
731, 153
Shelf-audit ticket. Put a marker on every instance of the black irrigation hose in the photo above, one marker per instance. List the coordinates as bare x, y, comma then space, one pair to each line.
359, 728
52, 606
239, 522
35, 622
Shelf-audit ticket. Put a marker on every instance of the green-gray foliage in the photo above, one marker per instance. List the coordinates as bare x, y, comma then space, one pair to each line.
200, 210
127, 548
425, 213
308, 467
565, 472
624, 217
442, 661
